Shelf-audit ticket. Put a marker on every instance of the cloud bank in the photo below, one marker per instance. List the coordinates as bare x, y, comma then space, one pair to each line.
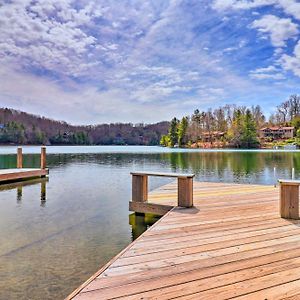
108, 61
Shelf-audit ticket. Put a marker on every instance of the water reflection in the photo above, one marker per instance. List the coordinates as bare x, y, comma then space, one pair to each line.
233, 166
140, 223
19, 188
55, 234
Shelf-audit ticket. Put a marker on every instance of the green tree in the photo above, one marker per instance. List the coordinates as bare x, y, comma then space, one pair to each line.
165, 141
182, 129
235, 132
173, 132
13, 132
296, 122
249, 131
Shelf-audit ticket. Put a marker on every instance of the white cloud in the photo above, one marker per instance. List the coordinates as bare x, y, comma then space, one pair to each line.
240, 4
270, 72
47, 35
87, 104
119, 60
279, 29
291, 7
292, 62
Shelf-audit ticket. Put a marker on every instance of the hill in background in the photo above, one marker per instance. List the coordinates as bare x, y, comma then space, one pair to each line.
17, 127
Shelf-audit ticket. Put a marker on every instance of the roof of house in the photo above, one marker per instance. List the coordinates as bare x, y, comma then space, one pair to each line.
276, 128
213, 133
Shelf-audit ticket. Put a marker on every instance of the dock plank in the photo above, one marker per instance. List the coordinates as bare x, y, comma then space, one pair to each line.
231, 245
19, 174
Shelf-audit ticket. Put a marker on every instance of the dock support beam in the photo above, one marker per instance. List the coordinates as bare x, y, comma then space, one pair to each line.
19, 158
43, 157
140, 192
289, 199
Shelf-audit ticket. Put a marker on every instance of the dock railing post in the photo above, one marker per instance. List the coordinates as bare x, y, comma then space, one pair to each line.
43, 157
289, 199
185, 192
139, 188
19, 158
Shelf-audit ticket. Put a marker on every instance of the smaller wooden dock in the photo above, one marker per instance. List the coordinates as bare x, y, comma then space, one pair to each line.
231, 244
20, 173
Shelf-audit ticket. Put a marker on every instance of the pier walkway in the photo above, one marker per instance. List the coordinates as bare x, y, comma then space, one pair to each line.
20, 173
231, 245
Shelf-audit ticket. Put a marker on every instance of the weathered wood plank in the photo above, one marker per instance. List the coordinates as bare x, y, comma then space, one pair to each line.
150, 208
232, 244
43, 158
20, 174
139, 188
185, 192
162, 174
19, 158
289, 201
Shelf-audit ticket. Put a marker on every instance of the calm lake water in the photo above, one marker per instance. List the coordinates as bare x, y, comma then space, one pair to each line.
55, 234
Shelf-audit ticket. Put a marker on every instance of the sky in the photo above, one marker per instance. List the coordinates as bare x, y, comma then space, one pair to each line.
95, 61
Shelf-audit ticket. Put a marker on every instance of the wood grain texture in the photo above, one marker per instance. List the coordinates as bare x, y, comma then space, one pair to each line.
162, 174
139, 188
231, 245
149, 208
19, 158
289, 201
185, 192
43, 158
21, 174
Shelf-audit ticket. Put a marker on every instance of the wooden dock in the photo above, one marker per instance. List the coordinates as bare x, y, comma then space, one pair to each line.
20, 173
232, 244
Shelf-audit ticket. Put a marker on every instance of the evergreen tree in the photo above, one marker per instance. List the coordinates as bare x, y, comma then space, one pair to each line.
182, 129
236, 130
165, 141
249, 131
173, 132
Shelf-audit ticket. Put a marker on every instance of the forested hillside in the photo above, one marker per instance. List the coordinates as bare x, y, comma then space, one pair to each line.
18, 127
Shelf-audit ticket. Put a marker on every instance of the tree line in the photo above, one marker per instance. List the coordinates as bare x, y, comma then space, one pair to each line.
231, 125
17, 127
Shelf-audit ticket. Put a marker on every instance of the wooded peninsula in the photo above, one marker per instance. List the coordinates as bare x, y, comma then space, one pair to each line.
228, 126
233, 126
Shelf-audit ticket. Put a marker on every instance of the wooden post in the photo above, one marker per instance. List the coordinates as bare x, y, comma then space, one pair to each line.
185, 192
289, 200
43, 157
19, 158
139, 188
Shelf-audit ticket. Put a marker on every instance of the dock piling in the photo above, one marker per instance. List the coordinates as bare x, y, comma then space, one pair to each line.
289, 199
19, 158
139, 188
185, 192
43, 157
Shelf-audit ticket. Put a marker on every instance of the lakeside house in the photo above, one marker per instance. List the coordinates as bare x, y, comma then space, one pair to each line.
212, 136
277, 132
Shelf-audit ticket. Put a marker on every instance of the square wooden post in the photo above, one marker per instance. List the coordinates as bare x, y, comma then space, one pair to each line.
185, 192
19, 158
43, 158
289, 200
139, 188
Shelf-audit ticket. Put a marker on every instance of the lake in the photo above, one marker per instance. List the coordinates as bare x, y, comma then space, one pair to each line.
55, 234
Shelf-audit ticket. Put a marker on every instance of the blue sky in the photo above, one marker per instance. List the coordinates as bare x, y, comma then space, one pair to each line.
91, 62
